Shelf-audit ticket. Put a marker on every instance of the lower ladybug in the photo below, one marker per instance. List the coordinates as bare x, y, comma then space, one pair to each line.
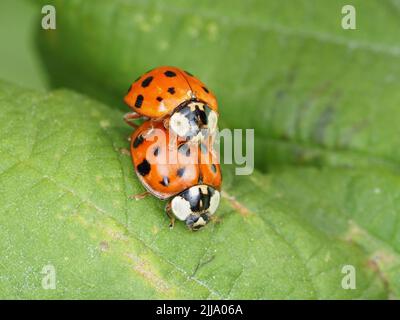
186, 175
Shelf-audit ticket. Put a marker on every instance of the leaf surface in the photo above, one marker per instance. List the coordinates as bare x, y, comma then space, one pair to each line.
64, 187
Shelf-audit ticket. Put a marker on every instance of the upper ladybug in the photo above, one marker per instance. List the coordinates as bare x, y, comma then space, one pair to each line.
170, 91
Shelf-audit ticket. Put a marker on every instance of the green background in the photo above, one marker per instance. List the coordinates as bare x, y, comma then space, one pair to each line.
324, 103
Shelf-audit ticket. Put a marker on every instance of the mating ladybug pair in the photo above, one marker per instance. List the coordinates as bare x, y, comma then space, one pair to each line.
172, 150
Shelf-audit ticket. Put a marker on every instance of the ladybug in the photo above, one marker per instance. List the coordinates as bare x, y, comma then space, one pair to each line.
188, 175
176, 97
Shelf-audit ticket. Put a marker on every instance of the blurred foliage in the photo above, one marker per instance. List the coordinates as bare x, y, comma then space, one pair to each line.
19, 61
315, 94
324, 104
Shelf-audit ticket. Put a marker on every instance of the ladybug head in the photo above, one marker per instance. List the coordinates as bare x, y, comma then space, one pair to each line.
194, 120
195, 205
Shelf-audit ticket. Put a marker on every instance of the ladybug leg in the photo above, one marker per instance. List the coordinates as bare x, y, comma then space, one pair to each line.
172, 142
140, 196
171, 216
215, 219
132, 116
166, 123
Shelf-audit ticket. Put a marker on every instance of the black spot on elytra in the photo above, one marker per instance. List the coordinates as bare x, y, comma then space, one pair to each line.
184, 149
139, 101
146, 82
165, 181
138, 141
180, 172
214, 168
189, 74
156, 151
170, 74
159, 99
143, 168
171, 90
206, 90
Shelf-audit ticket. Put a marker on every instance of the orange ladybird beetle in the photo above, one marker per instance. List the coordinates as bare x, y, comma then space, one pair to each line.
175, 97
189, 183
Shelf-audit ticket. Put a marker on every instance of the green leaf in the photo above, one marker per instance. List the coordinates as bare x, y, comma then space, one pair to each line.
64, 187
19, 61
354, 205
314, 93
